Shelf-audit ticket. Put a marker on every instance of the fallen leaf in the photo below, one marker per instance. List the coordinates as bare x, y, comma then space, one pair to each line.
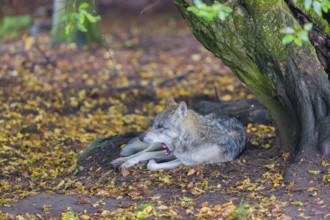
314, 171
84, 201
124, 172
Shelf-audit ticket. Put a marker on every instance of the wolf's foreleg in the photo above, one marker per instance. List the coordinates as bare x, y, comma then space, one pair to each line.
153, 147
153, 165
144, 156
132, 147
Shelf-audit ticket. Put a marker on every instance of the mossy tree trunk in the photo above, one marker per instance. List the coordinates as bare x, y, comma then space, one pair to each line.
290, 81
61, 8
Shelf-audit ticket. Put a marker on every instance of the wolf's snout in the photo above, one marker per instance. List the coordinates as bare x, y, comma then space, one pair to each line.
141, 138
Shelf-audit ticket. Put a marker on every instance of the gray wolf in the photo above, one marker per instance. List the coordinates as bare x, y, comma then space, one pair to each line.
179, 135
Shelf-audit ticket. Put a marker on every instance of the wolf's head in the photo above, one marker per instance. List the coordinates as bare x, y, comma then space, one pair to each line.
167, 125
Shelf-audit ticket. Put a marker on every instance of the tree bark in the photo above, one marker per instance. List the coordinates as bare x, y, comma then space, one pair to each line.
289, 81
61, 8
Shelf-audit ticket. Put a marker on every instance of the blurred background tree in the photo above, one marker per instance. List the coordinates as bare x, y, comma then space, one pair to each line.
75, 21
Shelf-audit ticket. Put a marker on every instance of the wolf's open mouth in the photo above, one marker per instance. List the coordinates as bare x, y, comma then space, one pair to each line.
166, 149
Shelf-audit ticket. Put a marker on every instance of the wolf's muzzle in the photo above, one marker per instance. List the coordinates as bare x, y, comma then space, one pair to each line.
141, 138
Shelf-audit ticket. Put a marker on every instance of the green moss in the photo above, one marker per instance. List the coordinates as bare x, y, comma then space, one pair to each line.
11, 26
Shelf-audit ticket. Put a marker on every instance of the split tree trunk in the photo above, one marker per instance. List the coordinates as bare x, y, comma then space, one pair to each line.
289, 81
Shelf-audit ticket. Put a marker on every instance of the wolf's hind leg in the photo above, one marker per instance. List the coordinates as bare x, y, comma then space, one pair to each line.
153, 165
144, 156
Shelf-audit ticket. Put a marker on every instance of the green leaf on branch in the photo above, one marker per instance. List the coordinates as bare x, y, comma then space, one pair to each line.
317, 7
287, 39
77, 20
308, 4
308, 26
288, 30
303, 35
296, 34
210, 12
80, 18
298, 41
68, 29
81, 27
92, 19
83, 5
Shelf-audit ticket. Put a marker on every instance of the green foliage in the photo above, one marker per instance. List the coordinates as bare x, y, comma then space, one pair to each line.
242, 211
77, 19
11, 25
209, 12
296, 34
317, 5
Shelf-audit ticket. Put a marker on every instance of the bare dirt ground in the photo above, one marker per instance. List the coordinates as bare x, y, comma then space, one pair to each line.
51, 111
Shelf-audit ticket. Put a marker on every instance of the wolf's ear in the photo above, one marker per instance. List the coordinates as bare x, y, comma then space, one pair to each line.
170, 102
182, 109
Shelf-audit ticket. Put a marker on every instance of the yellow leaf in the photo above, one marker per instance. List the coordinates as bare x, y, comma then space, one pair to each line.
270, 166
314, 171
205, 210
255, 142
82, 95
59, 186
226, 98
311, 189
142, 215
205, 184
326, 178
69, 215
148, 209
163, 207
325, 163
124, 171
196, 57
191, 172
297, 203
102, 193
47, 208
86, 217
166, 179
266, 146
28, 43
105, 213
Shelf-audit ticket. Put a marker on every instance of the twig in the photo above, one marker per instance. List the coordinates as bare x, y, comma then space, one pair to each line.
43, 53
179, 78
160, 84
149, 7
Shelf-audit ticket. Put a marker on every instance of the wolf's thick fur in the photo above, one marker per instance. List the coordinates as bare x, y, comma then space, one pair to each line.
181, 136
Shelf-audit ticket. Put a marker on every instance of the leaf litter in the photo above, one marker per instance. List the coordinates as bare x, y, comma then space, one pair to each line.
57, 101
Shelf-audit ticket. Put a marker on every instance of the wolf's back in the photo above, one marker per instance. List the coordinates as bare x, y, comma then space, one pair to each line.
229, 134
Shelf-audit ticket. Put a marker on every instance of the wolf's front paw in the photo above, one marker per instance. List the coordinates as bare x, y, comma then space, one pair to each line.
128, 164
117, 162
152, 165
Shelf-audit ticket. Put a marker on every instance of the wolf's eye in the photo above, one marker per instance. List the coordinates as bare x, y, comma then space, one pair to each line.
159, 126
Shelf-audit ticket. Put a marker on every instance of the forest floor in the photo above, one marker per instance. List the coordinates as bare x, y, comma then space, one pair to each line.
56, 100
